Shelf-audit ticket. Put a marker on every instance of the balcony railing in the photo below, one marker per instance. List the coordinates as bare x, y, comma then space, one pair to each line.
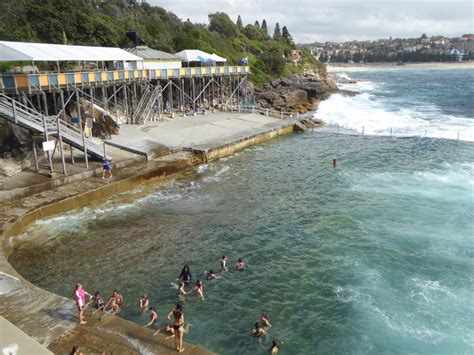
30, 83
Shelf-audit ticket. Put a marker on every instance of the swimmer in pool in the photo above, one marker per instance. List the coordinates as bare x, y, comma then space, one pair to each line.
239, 265
211, 275
274, 348
258, 331
181, 291
199, 289
153, 320
224, 263
265, 322
143, 302
185, 275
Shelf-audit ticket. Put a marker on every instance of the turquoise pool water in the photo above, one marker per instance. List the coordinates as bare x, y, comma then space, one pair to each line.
373, 256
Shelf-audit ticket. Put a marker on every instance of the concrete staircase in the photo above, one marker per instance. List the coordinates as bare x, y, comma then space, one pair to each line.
35, 122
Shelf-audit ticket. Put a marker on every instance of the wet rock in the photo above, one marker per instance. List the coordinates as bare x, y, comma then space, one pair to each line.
9, 168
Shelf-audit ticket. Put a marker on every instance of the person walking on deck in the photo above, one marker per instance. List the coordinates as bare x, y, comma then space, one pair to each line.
106, 168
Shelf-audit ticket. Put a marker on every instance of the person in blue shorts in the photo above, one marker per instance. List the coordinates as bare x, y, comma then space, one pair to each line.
106, 168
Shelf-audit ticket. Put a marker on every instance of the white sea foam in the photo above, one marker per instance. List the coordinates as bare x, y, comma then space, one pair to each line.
364, 112
218, 175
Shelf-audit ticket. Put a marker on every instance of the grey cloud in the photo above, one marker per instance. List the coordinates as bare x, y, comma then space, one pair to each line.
339, 19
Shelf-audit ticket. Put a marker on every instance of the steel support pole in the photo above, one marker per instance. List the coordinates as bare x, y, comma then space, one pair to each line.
58, 120
48, 153
34, 155
115, 104
181, 96
170, 98
104, 102
45, 103
91, 93
82, 131
125, 101
63, 108
193, 96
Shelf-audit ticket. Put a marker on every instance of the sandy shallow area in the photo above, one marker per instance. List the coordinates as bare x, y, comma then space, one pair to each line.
382, 66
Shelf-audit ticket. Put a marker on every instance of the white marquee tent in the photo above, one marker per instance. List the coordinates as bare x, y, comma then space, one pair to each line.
32, 52
194, 55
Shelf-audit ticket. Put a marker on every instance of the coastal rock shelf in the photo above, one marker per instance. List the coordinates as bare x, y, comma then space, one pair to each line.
298, 93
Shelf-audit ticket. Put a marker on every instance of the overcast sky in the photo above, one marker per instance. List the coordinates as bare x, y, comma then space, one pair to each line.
338, 20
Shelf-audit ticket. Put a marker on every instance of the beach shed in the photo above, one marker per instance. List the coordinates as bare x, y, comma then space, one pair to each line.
112, 57
155, 59
196, 58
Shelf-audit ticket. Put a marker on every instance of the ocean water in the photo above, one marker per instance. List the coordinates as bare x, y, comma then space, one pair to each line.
435, 103
374, 256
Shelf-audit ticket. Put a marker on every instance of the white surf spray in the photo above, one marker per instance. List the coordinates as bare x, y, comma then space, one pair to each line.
371, 113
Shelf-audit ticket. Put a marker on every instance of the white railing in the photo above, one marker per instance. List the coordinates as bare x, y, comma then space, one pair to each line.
395, 132
261, 111
19, 113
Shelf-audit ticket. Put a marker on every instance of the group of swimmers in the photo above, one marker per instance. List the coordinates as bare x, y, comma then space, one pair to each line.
112, 305
177, 327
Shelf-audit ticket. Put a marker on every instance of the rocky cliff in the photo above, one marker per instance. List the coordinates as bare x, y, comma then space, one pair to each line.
299, 93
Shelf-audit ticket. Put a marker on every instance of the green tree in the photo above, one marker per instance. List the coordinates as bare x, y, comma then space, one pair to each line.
277, 32
264, 26
239, 22
221, 23
287, 37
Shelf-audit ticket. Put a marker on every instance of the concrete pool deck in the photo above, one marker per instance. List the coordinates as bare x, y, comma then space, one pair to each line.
204, 132
50, 319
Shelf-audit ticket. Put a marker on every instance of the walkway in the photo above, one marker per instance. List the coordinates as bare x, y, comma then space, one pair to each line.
201, 132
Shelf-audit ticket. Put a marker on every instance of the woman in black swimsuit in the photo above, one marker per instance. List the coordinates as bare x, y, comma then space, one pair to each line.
178, 326
185, 275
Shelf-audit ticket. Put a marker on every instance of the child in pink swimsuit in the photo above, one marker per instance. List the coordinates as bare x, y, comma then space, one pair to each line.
80, 296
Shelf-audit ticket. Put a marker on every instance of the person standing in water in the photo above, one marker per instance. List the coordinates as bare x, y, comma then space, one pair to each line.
265, 321
224, 263
181, 291
178, 326
153, 320
199, 289
143, 302
185, 275
80, 296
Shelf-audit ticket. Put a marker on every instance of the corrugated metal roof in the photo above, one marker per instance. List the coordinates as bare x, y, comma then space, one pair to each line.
150, 53
24, 51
